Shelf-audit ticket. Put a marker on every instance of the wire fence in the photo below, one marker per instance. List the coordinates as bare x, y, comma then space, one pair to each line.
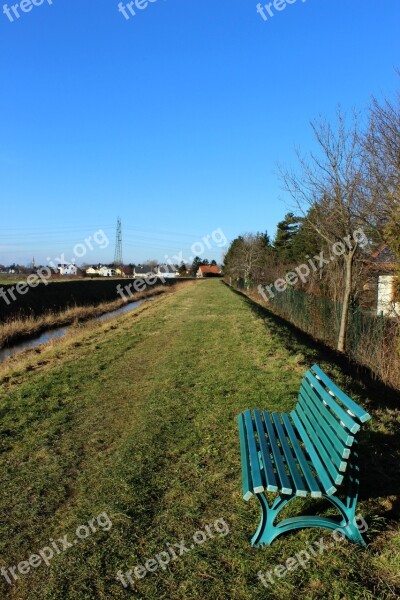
371, 340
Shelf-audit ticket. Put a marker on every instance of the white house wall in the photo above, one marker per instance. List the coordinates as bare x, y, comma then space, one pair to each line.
385, 304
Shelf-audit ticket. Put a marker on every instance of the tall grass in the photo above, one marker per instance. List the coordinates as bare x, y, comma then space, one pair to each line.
19, 328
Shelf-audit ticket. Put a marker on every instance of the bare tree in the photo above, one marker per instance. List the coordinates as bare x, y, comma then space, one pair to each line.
152, 263
382, 151
246, 257
328, 188
381, 145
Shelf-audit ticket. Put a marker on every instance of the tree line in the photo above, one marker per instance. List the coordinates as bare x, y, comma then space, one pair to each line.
350, 183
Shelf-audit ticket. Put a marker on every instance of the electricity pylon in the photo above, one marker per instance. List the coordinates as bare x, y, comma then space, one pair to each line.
118, 245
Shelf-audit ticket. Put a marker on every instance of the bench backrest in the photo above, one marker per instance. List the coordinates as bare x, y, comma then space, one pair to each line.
327, 421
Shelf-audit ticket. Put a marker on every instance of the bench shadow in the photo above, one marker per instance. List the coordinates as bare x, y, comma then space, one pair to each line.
379, 451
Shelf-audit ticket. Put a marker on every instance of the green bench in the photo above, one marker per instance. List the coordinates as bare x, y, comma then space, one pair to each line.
310, 452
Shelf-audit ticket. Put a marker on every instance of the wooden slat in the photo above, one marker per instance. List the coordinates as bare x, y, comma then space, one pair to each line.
271, 483
312, 482
258, 485
326, 459
320, 407
342, 415
326, 441
354, 408
247, 483
294, 471
315, 459
286, 485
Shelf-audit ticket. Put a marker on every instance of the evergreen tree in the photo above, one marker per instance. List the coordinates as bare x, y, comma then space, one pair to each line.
197, 262
286, 233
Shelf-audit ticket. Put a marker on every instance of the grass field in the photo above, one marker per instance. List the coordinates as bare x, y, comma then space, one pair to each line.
135, 418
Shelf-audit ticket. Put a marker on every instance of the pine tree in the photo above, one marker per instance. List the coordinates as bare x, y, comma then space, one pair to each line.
286, 233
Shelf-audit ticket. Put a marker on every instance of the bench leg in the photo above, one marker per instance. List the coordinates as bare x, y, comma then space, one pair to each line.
267, 531
349, 506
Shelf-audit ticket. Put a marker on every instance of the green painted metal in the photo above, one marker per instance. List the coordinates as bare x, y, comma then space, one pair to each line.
302, 460
306, 455
329, 466
354, 408
342, 415
271, 483
286, 485
322, 436
247, 483
339, 430
299, 483
253, 454
320, 414
268, 531
323, 475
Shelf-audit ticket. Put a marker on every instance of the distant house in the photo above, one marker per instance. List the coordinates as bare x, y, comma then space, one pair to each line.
383, 264
67, 269
143, 271
100, 271
208, 271
107, 271
167, 271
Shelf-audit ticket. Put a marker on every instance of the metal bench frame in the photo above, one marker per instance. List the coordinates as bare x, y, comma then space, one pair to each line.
309, 454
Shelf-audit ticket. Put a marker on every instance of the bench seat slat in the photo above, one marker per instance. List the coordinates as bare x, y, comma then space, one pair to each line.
342, 415
258, 485
324, 439
301, 489
286, 485
317, 463
326, 459
354, 408
247, 482
271, 483
312, 483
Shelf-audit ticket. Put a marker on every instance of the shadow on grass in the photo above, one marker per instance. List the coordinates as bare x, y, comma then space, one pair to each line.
380, 451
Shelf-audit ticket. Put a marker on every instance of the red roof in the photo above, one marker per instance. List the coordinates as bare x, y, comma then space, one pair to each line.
383, 259
378, 252
205, 269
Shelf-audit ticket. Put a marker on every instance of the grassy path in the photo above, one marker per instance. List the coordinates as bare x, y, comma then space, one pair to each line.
136, 418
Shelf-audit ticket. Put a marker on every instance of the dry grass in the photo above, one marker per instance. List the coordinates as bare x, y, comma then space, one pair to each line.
20, 328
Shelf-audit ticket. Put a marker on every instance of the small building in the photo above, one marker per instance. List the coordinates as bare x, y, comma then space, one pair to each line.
384, 265
105, 271
167, 271
143, 271
67, 269
208, 271
100, 271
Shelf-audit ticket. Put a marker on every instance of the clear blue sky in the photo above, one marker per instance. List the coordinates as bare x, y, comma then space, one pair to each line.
175, 119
